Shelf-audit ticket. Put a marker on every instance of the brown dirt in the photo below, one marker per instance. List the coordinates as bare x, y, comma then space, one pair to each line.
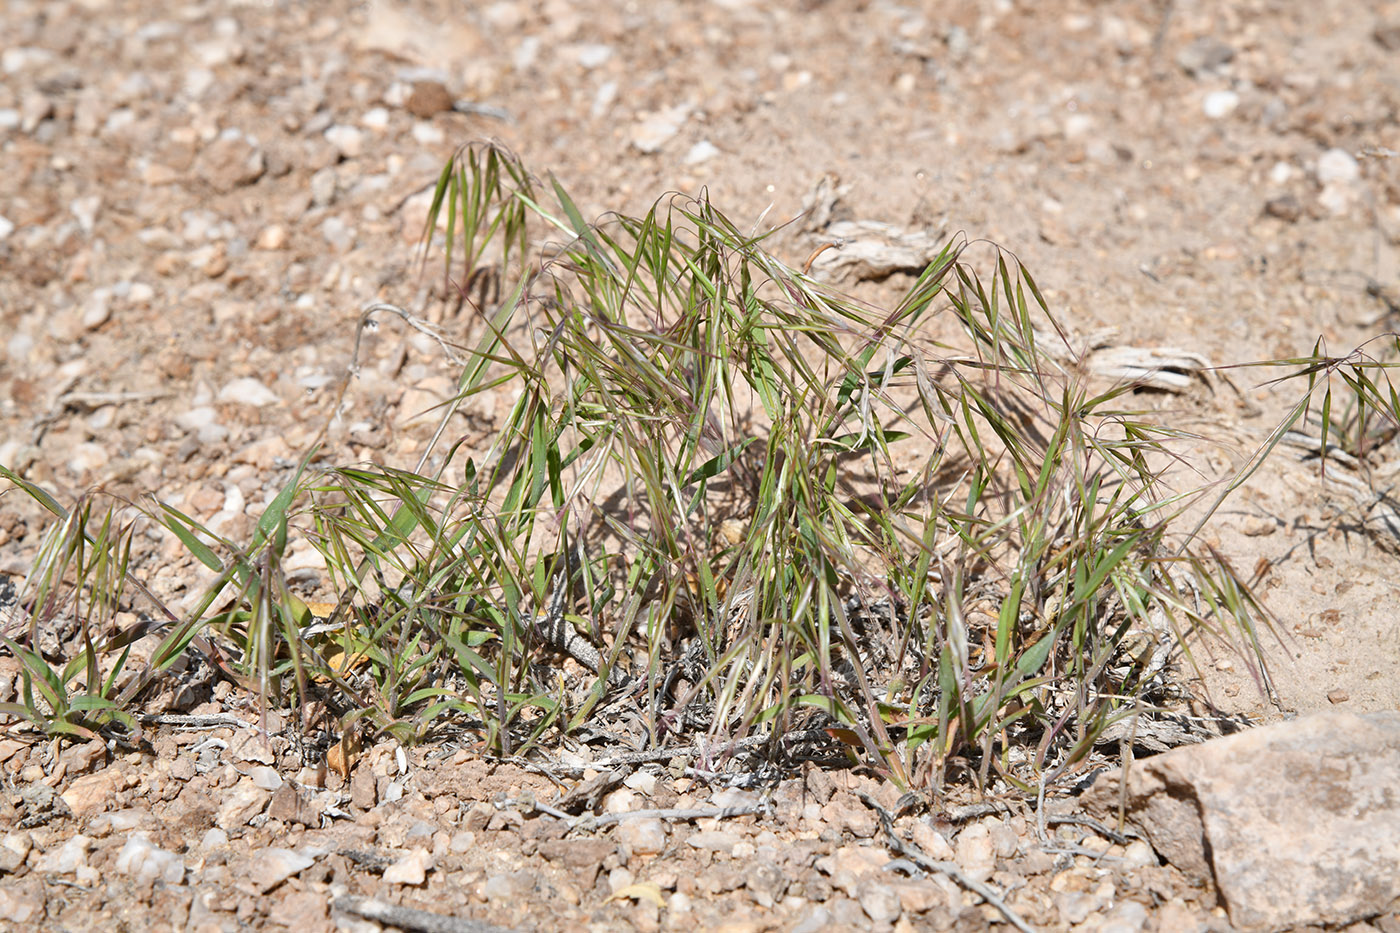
210, 193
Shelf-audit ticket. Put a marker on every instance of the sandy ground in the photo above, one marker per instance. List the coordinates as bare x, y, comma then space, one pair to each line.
198, 201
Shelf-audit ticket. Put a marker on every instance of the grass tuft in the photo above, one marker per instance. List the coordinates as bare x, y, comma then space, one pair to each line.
727, 500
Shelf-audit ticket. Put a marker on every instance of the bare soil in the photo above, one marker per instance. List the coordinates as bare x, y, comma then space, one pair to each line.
198, 201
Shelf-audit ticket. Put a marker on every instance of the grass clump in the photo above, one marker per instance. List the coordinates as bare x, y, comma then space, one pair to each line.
728, 501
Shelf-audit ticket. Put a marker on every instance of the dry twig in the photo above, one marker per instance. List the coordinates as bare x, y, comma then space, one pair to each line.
407, 918
698, 813
916, 855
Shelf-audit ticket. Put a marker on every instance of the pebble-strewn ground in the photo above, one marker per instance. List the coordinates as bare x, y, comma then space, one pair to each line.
197, 200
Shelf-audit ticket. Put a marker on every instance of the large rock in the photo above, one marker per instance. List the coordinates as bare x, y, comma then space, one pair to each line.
1296, 823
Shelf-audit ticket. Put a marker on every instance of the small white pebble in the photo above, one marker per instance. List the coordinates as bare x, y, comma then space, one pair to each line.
1339, 166
702, 151
592, 54
426, 134
641, 781
1220, 104
348, 140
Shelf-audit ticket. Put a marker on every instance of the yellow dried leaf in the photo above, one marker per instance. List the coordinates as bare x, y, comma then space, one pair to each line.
341, 757
641, 891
